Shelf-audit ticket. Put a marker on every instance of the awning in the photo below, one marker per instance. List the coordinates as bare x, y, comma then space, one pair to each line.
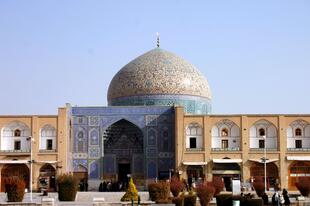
48, 162
14, 161
195, 163
25, 162
226, 172
298, 158
261, 161
227, 160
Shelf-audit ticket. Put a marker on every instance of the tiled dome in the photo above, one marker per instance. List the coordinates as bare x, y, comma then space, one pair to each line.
158, 72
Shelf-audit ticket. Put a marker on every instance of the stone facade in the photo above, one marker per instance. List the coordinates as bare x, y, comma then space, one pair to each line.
282, 156
50, 147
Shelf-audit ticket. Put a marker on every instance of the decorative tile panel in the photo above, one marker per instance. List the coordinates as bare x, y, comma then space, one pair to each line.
151, 120
93, 121
94, 152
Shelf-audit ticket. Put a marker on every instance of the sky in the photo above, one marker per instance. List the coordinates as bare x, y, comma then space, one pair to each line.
255, 54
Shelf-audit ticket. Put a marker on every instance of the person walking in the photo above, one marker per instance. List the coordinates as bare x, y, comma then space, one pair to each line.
286, 197
265, 198
276, 199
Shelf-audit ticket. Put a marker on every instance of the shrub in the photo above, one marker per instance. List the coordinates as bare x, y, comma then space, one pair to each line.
178, 201
131, 193
190, 199
176, 186
218, 184
259, 186
15, 188
205, 193
67, 187
303, 185
159, 191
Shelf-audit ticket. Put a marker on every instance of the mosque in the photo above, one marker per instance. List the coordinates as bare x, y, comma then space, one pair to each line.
158, 122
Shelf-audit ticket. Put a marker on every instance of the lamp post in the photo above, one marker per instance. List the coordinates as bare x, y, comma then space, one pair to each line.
265, 161
170, 174
31, 162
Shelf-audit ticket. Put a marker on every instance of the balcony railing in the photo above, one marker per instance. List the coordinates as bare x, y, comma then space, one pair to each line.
299, 149
262, 149
194, 149
15, 151
47, 150
225, 149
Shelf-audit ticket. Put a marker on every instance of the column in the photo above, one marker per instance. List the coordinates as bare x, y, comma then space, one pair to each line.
282, 144
244, 146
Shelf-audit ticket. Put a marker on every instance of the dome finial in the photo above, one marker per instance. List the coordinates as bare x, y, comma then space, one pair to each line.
157, 34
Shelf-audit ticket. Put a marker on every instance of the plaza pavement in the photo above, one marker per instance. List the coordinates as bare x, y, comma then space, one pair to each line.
86, 198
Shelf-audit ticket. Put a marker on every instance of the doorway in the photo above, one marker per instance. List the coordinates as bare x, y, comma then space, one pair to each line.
123, 171
228, 183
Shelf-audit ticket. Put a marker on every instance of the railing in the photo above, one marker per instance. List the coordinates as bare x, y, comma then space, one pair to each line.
47, 150
15, 151
262, 149
225, 149
194, 149
299, 149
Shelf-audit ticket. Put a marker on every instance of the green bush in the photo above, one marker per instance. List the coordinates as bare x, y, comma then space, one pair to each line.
178, 201
67, 187
159, 191
176, 186
190, 199
15, 188
131, 193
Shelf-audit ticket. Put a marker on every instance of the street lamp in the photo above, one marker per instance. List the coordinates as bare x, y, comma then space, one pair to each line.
265, 161
31, 139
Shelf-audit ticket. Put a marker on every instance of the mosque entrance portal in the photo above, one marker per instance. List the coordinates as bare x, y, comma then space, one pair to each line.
123, 151
123, 171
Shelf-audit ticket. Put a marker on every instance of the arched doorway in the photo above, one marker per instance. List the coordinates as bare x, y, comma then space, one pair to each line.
195, 173
47, 178
272, 174
11, 170
297, 169
227, 171
81, 174
123, 151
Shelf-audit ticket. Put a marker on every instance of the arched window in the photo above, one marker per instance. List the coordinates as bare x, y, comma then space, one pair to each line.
224, 132
298, 132
48, 138
262, 132
14, 136
17, 133
194, 136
